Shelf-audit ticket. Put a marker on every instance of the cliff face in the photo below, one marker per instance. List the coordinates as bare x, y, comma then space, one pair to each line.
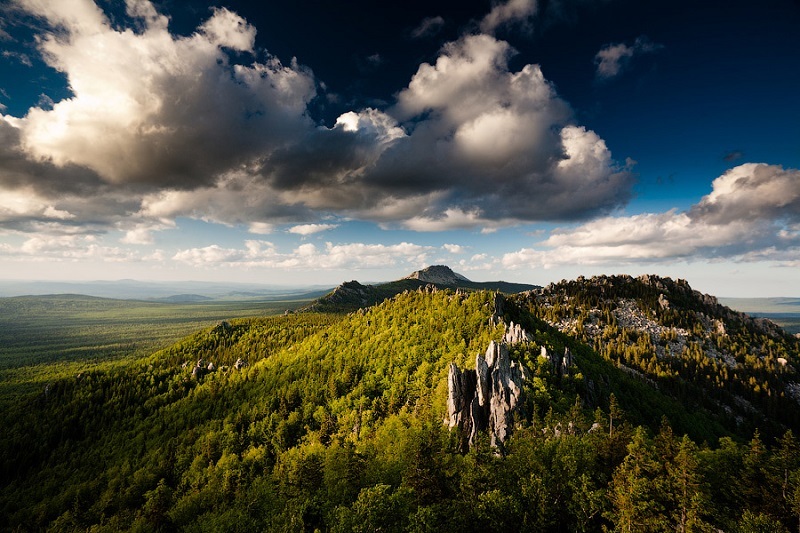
485, 398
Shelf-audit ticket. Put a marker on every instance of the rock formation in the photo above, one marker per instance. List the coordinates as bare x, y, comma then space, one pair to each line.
561, 363
201, 368
515, 335
239, 364
485, 398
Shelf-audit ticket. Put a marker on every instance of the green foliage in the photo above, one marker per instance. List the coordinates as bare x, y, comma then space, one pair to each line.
719, 364
336, 424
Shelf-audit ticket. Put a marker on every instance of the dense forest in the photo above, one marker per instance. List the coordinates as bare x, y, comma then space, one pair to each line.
336, 422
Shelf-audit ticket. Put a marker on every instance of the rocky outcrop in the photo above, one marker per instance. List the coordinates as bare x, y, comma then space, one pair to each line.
515, 334
199, 369
438, 274
497, 314
202, 368
561, 363
222, 328
485, 398
239, 364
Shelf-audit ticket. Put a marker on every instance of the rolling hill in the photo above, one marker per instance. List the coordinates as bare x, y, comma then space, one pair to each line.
638, 404
353, 295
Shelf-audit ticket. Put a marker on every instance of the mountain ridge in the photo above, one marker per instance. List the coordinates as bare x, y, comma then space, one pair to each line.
439, 275
378, 418
353, 295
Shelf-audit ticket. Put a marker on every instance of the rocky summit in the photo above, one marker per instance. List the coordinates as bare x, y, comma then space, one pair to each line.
438, 274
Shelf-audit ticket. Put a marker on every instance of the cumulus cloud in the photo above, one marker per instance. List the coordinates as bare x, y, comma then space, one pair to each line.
612, 59
496, 144
43, 247
160, 126
752, 192
263, 254
310, 229
752, 213
153, 108
511, 11
454, 248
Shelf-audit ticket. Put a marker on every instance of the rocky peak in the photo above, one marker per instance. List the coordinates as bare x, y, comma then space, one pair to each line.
439, 274
485, 398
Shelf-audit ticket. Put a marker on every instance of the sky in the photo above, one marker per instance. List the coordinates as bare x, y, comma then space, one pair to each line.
312, 142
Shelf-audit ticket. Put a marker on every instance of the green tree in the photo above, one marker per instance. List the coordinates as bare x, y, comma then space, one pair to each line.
751, 522
635, 487
688, 493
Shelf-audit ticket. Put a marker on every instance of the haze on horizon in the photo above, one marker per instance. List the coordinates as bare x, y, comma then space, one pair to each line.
523, 141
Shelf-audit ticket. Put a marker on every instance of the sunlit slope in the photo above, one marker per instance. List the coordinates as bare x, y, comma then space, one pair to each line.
307, 421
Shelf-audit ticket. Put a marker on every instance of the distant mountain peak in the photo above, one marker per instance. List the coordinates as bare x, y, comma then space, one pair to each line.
439, 274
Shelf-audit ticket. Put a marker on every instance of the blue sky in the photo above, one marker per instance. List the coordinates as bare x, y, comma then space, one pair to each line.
316, 142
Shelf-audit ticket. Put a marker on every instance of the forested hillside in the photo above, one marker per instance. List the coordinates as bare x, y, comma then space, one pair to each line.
337, 422
742, 370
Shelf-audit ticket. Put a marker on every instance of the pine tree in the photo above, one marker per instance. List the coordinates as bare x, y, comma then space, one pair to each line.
688, 494
634, 489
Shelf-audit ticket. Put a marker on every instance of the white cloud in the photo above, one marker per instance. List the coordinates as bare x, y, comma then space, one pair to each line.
160, 126
613, 58
153, 108
261, 228
208, 255
44, 247
52, 212
261, 254
228, 29
138, 236
508, 12
752, 191
454, 248
752, 213
142, 233
310, 229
